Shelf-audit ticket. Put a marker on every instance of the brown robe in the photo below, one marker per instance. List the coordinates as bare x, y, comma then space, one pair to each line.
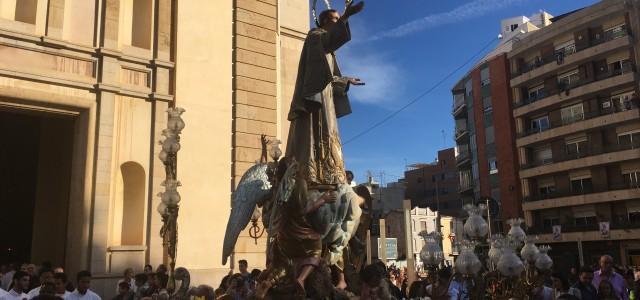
319, 99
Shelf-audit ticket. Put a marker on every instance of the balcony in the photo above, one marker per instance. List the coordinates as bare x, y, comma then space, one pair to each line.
566, 198
561, 59
459, 109
576, 90
463, 158
462, 135
575, 124
589, 161
588, 151
618, 230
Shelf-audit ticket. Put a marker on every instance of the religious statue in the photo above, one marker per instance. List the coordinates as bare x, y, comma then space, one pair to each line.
319, 98
309, 211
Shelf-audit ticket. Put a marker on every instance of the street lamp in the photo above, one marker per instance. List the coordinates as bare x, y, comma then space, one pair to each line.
170, 198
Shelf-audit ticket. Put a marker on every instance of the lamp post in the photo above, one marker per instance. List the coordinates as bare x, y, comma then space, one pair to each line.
168, 207
513, 267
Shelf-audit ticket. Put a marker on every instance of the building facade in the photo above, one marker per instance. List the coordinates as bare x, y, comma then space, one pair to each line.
575, 104
485, 131
84, 88
435, 185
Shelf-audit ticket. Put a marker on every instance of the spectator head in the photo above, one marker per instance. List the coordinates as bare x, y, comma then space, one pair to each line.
243, 266
24, 267
46, 275
152, 280
349, 176
123, 288
48, 288
559, 282
236, 282
60, 280
162, 269
84, 281
32, 270
128, 274
58, 270
21, 281
255, 273
586, 275
141, 279
224, 283
148, 269
606, 264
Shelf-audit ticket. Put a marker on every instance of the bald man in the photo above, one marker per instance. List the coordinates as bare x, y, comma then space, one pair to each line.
607, 273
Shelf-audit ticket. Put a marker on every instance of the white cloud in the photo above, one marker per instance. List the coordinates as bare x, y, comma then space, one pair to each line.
382, 77
469, 10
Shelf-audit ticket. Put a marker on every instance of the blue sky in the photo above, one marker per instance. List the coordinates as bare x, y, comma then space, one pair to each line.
401, 48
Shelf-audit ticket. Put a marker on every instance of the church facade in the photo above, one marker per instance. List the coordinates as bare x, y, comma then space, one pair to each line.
84, 88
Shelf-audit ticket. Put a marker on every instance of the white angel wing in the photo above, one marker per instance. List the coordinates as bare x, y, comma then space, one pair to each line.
253, 187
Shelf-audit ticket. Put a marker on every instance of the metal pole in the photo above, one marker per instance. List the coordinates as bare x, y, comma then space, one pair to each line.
368, 247
580, 253
408, 234
489, 217
382, 242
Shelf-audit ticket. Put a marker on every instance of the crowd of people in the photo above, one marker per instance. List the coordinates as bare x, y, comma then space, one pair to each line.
603, 281
28, 281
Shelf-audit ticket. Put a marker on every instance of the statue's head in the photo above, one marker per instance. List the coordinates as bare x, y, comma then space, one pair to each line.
328, 18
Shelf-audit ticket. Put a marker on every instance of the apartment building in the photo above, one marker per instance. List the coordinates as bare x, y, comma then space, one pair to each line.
486, 159
575, 103
435, 185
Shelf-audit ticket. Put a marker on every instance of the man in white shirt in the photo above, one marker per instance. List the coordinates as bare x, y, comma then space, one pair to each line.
46, 276
60, 282
82, 291
20, 285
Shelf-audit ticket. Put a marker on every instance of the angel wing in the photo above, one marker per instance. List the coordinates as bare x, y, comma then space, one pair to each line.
253, 187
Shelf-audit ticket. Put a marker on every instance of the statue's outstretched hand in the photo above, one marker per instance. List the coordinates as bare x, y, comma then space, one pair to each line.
353, 9
355, 81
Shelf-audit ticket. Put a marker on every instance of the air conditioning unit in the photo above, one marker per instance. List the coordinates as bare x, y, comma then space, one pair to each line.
606, 104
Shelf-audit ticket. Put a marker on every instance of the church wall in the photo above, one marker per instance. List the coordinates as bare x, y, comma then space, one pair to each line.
203, 87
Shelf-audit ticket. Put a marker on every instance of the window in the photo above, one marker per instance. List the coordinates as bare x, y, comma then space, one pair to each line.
493, 165
568, 79
616, 31
514, 27
488, 118
572, 114
585, 220
490, 135
423, 225
632, 178
623, 101
549, 222
618, 67
566, 48
546, 192
540, 124
581, 185
536, 93
542, 155
576, 147
629, 139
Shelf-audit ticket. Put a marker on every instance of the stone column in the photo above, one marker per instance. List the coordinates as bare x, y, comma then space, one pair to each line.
103, 178
408, 233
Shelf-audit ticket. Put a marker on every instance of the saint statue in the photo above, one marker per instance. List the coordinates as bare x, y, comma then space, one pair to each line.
320, 97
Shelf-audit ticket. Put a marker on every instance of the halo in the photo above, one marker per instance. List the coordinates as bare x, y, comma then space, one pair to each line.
328, 5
